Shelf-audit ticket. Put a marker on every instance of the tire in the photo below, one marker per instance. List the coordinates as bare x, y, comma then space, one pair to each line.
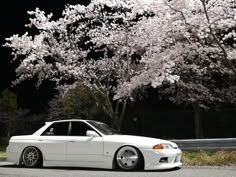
32, 157
128, 158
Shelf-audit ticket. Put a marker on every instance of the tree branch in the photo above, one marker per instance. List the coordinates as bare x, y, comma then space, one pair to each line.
211, 30
178, 11
216, 39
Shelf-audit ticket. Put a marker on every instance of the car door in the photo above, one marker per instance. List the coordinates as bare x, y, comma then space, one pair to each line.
53, 141
83, 148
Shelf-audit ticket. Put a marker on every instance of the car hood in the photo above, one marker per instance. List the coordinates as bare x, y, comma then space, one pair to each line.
140, 141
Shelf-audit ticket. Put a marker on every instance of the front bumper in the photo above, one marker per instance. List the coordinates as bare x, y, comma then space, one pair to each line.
12, 156
161, 159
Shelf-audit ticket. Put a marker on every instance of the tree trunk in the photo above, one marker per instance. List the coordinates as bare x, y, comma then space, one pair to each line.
122, 115
197, 121
9, 126
115, 120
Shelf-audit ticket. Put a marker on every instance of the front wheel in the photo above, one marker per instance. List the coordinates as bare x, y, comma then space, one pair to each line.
32, 157
128, 158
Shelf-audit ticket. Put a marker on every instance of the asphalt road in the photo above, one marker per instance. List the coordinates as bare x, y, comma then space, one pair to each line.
13, 171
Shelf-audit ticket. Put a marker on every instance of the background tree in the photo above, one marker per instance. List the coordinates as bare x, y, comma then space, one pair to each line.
200, 39
79, 103
117, 47
96, 46
56, 109
8, 105
82, 102
201, 90
209, 60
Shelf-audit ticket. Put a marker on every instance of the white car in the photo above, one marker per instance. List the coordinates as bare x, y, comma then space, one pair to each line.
88, 143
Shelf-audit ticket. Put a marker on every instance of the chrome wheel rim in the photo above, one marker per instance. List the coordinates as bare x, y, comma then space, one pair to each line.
127, 158
30, 156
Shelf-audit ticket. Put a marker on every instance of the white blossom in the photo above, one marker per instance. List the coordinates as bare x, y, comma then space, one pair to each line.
94, 44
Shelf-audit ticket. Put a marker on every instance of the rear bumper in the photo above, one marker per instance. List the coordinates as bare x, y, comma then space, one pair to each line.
161, 159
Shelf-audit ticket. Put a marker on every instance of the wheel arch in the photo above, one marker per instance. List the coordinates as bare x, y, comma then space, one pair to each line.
114, 164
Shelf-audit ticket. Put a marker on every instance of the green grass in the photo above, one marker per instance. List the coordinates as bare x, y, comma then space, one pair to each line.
209, 158
3, 145
3, 154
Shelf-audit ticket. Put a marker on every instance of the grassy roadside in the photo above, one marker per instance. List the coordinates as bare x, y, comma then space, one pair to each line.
209, 158
3, 155
3, 145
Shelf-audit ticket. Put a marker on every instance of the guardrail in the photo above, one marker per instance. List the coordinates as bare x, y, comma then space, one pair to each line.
206, 144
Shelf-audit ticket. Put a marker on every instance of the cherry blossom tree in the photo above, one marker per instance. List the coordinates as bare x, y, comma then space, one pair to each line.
117, 47
207, 69
97, 46
198, 38
205, 27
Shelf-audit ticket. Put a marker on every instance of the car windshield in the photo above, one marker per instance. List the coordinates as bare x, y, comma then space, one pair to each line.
103, 128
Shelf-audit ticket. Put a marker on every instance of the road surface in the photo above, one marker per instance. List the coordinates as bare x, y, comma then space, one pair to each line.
14, 171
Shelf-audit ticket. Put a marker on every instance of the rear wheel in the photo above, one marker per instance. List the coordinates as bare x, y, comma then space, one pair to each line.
129, 158
32, 157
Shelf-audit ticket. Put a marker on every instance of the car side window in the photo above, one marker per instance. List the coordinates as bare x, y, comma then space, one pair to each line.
57, 129
79, 129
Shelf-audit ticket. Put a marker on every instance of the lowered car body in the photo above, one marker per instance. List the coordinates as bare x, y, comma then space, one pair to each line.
87, 143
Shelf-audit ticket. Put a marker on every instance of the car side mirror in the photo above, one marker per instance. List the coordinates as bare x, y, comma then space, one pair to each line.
91, 133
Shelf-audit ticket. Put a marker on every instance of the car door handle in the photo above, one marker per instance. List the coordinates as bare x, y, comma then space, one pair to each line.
71, 141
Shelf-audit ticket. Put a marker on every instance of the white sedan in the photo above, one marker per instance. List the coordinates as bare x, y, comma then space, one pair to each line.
88, 143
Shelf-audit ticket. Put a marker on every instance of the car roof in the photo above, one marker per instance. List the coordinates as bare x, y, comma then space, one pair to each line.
72, 120
38, 132
68, 120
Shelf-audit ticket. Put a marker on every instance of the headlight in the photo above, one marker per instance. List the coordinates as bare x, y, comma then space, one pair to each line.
162, 146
